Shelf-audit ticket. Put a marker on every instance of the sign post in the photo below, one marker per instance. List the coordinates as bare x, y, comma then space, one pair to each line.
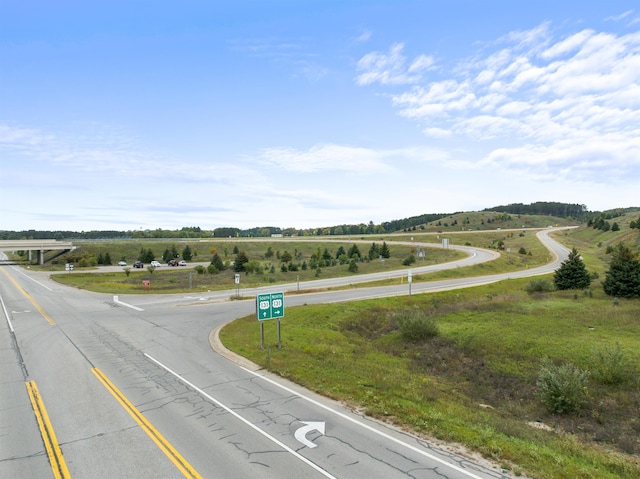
269, 306
409, 281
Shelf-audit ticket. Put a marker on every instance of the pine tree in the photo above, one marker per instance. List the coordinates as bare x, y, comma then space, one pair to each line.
217, 262
572, 273
623, 278
241, 260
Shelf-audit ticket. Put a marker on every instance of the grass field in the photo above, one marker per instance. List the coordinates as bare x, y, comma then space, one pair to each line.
522, 250
474, 383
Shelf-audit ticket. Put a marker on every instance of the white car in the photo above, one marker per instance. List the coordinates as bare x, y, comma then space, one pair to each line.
155, 264
122, 263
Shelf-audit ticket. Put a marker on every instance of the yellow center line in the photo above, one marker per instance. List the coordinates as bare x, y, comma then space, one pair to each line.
54, 452
28, 296
175, 457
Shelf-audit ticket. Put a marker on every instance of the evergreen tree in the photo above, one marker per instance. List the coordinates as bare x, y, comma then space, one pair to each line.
187, 254
374, 251
146, 256
107, 259
384, 251
241, 260
572, 273
623, 278
353, 266
286, 257
217, 262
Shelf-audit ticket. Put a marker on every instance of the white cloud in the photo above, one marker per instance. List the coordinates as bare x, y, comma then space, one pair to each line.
342, 158
571, 102
391, 68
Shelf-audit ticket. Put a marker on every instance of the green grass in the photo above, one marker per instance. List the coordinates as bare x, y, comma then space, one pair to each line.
475, 382
177, 280
180, 279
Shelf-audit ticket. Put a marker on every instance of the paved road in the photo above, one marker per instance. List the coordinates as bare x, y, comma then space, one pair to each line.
97, 386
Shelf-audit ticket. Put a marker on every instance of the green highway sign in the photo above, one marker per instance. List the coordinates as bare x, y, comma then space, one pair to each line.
269, 306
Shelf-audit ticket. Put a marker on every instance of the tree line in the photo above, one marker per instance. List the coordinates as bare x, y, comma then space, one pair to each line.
562, 210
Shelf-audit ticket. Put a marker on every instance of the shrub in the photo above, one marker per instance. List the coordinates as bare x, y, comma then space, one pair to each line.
409, 260
416, 326
353, 266
539, 285
610, 365
562, 389
199, 269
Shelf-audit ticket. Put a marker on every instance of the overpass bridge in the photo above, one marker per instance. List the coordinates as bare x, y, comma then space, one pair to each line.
39, 247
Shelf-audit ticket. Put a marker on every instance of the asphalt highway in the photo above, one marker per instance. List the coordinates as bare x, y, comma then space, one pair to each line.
97, 386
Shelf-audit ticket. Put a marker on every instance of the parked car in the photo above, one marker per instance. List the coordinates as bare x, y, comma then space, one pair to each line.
122, 263
182, 263
138, 264
156, 264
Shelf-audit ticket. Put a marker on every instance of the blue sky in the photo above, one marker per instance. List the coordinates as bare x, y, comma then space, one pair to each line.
122, 115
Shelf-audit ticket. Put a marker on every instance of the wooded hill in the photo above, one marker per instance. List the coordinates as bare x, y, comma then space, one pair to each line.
516, 215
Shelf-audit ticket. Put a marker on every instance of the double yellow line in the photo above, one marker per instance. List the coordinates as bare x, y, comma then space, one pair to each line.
54, 452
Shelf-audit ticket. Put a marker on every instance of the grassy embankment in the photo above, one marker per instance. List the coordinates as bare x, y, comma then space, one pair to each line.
525, 251
475, 382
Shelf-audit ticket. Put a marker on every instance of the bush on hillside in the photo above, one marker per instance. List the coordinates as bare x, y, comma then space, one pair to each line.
416, 326
562, 389
539, 285
610, 365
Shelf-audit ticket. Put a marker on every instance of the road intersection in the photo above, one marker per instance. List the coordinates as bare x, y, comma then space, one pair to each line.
132, 388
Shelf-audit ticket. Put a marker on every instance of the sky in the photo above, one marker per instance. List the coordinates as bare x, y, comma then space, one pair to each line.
129, 115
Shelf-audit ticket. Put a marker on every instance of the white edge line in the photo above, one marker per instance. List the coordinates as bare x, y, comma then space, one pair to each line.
117, 301
236, 415
27, 276
366, 426
6, 315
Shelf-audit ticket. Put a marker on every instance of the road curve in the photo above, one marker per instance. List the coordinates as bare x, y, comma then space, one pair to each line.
131, 388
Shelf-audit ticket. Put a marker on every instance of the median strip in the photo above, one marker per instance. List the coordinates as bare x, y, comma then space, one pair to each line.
54, 452
175, 457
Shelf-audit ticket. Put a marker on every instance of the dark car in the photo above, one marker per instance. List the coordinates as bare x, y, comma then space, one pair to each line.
138, 264
173, 262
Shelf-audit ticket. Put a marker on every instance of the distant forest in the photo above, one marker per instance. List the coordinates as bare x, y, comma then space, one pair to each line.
561, 210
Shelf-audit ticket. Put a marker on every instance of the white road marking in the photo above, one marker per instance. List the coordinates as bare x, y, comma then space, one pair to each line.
237, 416
117, 301
366, 426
